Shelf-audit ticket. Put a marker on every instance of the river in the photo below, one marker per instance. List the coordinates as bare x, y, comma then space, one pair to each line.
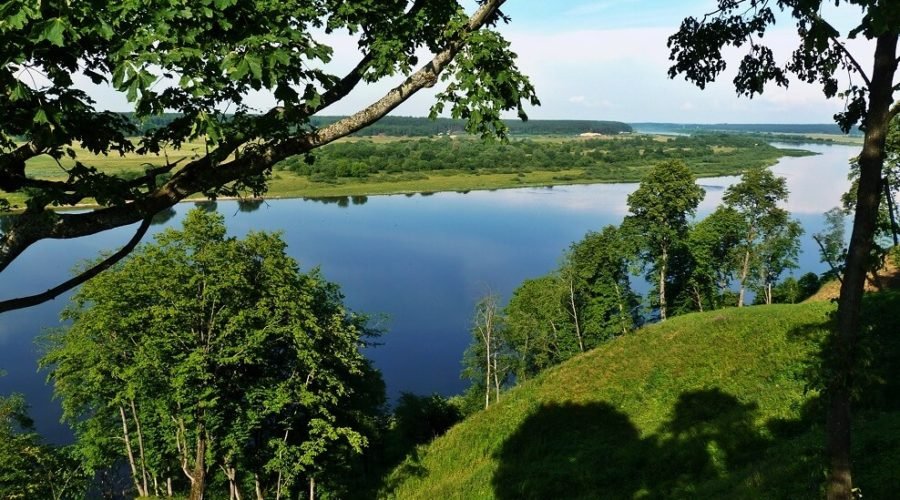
421, 260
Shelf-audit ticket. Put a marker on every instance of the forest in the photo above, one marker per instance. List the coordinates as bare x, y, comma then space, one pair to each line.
598, 160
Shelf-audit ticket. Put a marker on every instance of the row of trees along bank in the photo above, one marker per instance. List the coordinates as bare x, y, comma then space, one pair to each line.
747, 243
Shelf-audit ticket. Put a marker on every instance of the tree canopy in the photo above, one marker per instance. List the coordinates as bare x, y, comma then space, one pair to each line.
200, 60
207, 360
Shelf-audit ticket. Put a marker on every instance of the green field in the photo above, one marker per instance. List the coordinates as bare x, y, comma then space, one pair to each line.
709, 405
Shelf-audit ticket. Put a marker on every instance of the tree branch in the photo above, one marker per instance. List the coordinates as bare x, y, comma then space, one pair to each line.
23, 302
204, 173
852, 59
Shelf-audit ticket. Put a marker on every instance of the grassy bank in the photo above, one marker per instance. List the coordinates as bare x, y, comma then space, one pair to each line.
711, 405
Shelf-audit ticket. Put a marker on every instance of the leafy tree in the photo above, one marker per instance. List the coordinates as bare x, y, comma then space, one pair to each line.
793, 290
420, 419
31, 468
204, 361
832, 249
821, 56
486, 361
714, 244
778, 252
602, 289
755, 198
660, 209
199, 60
537, 327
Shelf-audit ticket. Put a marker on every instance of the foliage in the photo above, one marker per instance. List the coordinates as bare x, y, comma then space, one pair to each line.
770, 243
200, 61
713, 243
31, 468
622, 159
701, 406
214, 361
659, 212
419, 420
831, 241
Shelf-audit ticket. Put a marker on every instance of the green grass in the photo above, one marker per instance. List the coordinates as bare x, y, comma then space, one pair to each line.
709, 405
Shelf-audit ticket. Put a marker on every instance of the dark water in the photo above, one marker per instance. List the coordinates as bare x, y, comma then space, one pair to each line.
421, 260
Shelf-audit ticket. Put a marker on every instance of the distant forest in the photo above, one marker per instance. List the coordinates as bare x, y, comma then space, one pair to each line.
756, 128
609, 159
424, 127
408, 126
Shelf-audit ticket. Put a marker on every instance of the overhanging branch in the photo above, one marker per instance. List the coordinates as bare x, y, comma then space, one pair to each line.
52, 293
204, 173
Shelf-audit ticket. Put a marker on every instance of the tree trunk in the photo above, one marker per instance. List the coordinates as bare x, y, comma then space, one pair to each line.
575, 315
140, 435
745, 270
257, 487
198, 483
664, 261
487, 367
134, 474
312, 489
871, 160
621, 310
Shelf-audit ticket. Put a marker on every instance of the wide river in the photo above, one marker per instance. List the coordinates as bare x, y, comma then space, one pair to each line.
422, 261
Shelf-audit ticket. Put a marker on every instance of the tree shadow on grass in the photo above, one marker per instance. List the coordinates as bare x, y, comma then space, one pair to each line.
595, 451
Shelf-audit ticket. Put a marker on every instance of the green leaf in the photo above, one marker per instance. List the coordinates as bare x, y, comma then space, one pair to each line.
255, 66
41, 117
53, 31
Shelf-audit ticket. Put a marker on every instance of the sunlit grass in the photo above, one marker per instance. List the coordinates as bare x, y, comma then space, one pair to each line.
710, 405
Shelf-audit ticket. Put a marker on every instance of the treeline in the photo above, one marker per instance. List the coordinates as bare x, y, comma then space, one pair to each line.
746, 244
599, 159
763, 128
416, 126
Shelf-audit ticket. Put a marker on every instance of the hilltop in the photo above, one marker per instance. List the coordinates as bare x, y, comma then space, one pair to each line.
707, 405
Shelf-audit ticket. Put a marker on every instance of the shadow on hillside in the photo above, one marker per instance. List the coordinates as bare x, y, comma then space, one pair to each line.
594, 450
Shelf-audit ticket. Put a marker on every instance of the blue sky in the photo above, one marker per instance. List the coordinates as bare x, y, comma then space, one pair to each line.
607, 59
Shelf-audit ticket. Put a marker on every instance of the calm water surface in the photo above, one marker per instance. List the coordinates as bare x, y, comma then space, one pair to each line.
421, 260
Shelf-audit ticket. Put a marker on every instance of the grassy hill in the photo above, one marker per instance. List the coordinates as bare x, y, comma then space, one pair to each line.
710, 405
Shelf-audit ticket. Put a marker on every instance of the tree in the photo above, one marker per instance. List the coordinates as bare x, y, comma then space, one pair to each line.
821, 57
660, 208
601, 288
204, 361
755, 198
200, 60
486, 358
832, 249
31, 468
714, 243
778, 252
537, 327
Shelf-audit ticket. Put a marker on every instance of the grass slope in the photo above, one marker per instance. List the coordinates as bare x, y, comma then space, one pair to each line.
708, 405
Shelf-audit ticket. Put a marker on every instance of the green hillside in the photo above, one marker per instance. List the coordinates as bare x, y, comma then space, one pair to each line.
709, 405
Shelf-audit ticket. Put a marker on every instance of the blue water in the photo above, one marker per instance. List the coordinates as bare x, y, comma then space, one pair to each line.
422, 261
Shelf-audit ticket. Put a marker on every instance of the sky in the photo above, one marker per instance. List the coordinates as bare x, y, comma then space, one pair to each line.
607, 60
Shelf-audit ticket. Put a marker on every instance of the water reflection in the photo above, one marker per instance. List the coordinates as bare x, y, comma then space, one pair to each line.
250, 205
